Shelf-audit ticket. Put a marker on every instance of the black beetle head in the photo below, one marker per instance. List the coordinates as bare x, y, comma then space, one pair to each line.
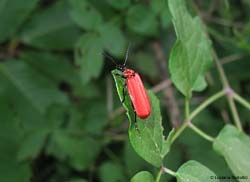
121, 67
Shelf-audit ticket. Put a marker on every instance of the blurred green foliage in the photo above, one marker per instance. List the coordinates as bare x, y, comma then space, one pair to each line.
57, 106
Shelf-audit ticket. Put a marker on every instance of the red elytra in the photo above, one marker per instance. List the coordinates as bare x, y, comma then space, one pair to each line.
135, 87
137, 93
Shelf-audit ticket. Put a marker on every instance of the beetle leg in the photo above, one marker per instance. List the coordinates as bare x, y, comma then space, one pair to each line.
135, 119
124, 94
136, 124
135, 116
120, 75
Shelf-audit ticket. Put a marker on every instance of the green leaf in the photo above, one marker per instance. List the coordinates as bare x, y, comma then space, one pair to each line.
51, 29
88, 55
133, 162
10, 169
165, 17
195, 172
85, 15
77, 180
12, 14
109, 33
167, 143
111, 172
143, 60
234, 146
81, 152
37, 92
148, 140
144, 176
158, 5
212, 126
47, 63
33, 141
95, 123
119, 4
142, 20
191, 55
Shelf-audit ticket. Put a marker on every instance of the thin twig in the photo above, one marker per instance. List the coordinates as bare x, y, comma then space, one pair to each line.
221, 21
231, 58
212, 7
161, 86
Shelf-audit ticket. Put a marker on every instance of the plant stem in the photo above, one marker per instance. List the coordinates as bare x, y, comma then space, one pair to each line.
200, 132
220, 70
206, 103
166, 170
187, 109
184, 125
179, 131
223, 78
158, 177
227, 86
234, 113
169, 171
201, 107
241, 100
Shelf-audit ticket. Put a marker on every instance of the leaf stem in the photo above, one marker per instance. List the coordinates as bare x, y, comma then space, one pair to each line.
184, 125
207, 103
201, 107
229, 95
226, 86
166, 170
234, 113
179, 131
241, 100
158, 177
200, 132
223, 78
169, 171
222, 74
187, 109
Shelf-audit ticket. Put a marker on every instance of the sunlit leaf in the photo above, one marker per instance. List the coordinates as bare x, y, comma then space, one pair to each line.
148, 140
195, 172
234, 146
144, 176
191, 55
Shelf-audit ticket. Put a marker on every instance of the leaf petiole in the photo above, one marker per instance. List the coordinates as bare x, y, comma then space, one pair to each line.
241, 100
200, 132
200, 108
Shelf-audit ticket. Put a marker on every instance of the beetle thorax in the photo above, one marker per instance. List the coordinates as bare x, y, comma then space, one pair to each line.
129, 73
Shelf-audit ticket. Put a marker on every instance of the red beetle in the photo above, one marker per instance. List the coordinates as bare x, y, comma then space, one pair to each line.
137, 92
